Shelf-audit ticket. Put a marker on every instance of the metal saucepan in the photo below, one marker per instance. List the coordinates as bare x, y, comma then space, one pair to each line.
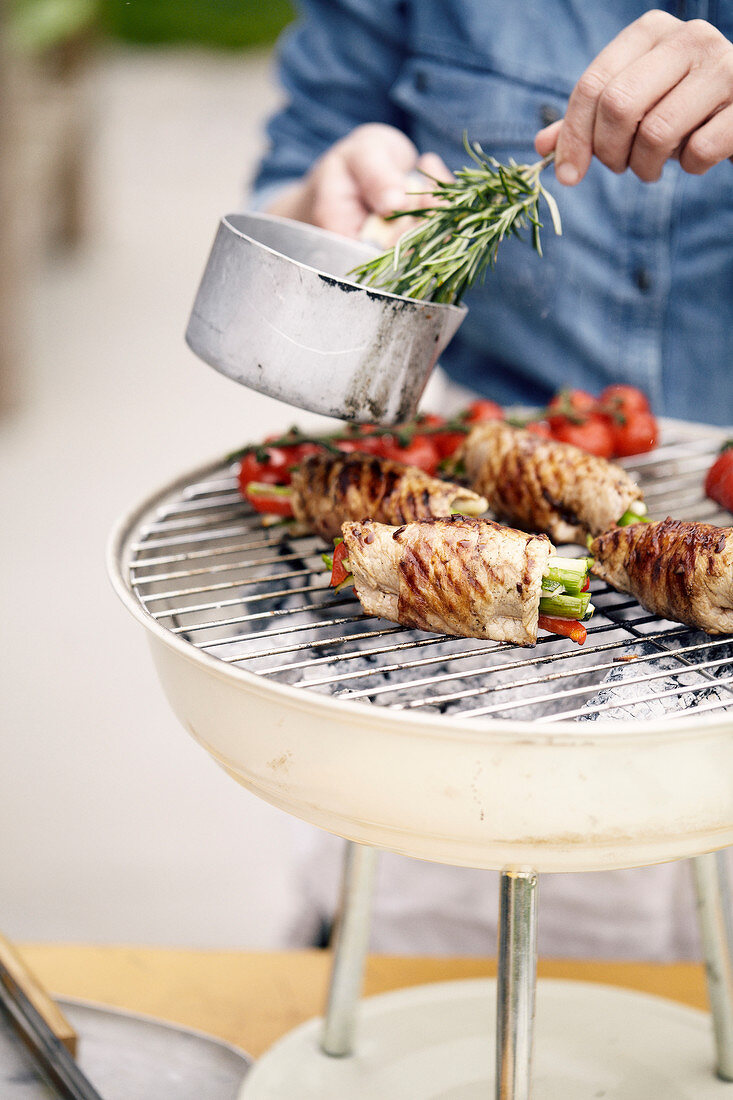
276, 311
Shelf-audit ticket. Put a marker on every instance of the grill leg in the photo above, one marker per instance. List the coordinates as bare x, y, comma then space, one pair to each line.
517, 984
716, 931
352, 940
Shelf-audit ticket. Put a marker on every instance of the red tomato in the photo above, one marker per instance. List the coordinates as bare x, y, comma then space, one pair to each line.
447, 443
371, 446
273, 472
719, 480
638, 434
482, 409
570, 405
539, 427
626, 400
294, 455
420, 452
575, 420
594, 436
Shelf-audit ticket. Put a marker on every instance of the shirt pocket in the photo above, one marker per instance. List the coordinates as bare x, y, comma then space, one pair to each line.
442, 100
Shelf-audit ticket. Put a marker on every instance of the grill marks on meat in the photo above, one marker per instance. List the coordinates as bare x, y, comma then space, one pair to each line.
329, 489
468, 577
543, 485
681, 571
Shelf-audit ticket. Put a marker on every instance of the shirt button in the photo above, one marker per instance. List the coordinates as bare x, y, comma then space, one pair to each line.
548, 114
643, 279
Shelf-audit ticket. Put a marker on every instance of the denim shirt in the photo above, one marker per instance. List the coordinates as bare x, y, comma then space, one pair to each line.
638, 289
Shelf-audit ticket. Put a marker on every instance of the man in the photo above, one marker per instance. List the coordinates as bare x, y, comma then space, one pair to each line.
639, 288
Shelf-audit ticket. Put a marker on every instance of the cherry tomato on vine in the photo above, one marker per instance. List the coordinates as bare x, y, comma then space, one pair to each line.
573, 419
569, 406
594, 435
369, 446
626, 400
638, 434
421, 451
482, 409
273, 472
294, 455
719, 480
447, 443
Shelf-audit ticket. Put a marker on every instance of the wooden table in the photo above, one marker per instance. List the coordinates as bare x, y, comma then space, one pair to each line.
252, 998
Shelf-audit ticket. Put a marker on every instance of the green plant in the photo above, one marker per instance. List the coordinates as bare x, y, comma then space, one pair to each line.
456, 240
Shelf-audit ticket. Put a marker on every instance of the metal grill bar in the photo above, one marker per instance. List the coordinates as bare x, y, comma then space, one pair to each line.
175, 612
271, 613
600, 708
265, 599
447, 677
212, 570
298, 647
222, 586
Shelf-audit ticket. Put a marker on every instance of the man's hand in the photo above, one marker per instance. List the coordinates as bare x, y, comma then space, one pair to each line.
662, 88
366, 175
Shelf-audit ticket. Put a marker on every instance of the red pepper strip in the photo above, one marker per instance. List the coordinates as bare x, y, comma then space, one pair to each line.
339, 573
272, 500
569, 628
586, 585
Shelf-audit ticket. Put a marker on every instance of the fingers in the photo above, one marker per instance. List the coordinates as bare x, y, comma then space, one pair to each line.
629, 108
379, 159
710, 144
421, 183
434, 166
419, 188
546, 139
360, 180
333, 199
671, 124
575, 141
646, 98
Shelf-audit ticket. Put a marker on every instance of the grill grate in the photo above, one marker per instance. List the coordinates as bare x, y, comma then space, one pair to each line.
205, 568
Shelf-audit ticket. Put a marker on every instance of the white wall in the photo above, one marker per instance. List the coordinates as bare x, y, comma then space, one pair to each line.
114, 826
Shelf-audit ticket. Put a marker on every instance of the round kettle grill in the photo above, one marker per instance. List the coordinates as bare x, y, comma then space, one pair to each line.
558, 758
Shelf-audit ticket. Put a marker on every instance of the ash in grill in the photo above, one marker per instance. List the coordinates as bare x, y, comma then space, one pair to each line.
257, 598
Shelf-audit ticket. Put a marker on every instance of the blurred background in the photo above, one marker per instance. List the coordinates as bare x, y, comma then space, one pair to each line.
128, 128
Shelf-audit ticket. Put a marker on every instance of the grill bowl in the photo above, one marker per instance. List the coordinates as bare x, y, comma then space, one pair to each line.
477, 790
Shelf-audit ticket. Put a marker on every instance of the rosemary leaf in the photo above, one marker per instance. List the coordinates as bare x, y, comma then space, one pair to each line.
457, 240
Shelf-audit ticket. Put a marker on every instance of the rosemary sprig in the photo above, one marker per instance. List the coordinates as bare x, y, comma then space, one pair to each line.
457, 239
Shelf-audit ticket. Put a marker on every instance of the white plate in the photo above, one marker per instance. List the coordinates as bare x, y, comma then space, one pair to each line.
131, 1057
436, 1042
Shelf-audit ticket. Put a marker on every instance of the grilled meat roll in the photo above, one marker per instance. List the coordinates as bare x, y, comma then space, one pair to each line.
329, 489
542, 485
681, 571
472, 578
